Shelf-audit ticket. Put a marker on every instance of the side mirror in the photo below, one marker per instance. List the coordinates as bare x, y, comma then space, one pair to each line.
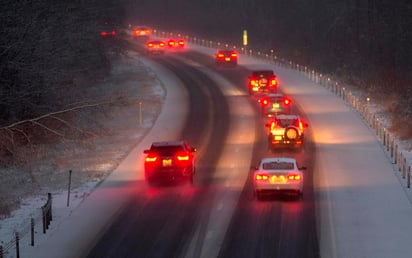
302, 168
146, 151
193, 150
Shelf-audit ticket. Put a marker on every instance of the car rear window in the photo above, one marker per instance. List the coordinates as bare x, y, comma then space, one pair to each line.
278, 165
262, 73
166, 150
286, 122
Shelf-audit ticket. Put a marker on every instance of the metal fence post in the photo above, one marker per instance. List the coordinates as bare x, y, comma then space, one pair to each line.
1, 251
17, 245
32, 231
404, 168
43, 213
50, 199
68, 191
409, 177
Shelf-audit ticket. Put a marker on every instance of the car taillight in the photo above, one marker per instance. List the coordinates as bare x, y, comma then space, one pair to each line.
147, 31
286, 101
151, 158
264, 102
113, 32
273, 125
162, 44
103, 33
273, 82
261, 177
171, 43
220, 55
233, 55
294, 177
299, 124
183, 157
253, 82
150, 44
181, 42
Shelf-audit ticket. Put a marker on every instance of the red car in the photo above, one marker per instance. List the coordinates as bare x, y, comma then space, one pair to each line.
169, 160
228, 57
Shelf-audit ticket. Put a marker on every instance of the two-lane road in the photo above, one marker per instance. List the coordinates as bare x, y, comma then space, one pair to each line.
217, 217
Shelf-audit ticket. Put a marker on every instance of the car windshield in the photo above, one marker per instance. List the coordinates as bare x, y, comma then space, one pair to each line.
275, 165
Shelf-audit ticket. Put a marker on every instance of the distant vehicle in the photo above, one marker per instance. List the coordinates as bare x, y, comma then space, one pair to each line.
142, 32
275, 104
262, 81
278, 175
176, 43
286, 131
156, 47
226, 57
169, 160
109, 29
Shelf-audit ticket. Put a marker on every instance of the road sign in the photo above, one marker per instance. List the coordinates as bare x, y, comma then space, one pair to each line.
244, 37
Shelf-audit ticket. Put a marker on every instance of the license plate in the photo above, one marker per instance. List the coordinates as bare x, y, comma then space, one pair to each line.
278, 179
167, 162
275, 105
227, 58
278, 137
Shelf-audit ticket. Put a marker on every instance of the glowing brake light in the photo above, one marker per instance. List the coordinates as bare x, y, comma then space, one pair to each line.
220, 55
265, 102
294, 177
151, 159
300, 126
162, 44
286, 101
181, 42
273, 82
261, 177
273, 125
113, 32
103, 33
253, 82
150, 44
183, 157
171, 43
233, 55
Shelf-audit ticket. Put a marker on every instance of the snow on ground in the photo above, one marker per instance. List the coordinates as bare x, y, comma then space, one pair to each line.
140, 96
364, 208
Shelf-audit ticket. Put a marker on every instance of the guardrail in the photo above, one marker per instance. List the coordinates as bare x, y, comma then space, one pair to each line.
399, 157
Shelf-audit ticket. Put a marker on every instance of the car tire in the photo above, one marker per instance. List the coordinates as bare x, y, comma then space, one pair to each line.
291, 133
